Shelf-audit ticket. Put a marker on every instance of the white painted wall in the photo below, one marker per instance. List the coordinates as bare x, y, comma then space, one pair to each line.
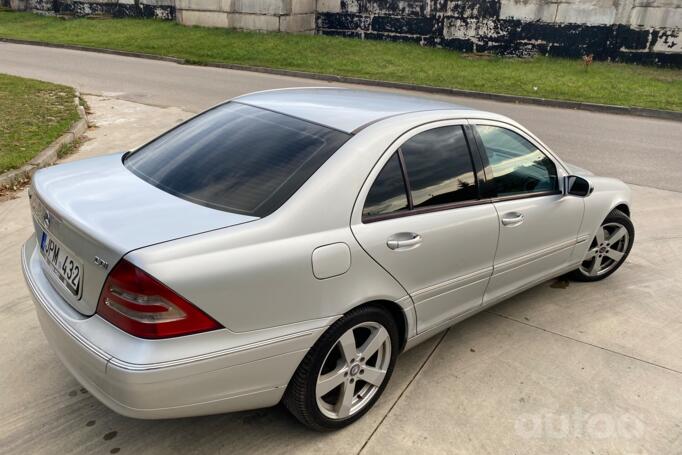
293, 16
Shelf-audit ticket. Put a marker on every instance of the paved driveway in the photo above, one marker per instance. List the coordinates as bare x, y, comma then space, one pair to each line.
562, 368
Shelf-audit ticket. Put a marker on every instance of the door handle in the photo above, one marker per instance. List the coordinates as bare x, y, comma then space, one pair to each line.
403, 240
512, 218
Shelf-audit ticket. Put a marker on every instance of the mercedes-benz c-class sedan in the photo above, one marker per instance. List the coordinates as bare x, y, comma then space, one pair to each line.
286, 246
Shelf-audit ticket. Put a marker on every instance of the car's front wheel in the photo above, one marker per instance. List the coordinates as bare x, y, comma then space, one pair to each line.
345, 372
609, 248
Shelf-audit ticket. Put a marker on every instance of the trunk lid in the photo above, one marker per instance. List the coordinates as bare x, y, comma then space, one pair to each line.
99, 210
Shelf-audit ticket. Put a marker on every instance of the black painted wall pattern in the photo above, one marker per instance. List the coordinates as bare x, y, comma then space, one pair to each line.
477, 26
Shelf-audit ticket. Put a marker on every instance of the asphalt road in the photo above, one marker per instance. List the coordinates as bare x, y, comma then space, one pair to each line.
637, 150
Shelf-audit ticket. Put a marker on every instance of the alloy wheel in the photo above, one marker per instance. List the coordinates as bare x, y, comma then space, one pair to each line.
353, 370
607, 250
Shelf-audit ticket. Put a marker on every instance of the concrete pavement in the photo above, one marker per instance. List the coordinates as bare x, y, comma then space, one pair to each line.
638, 150
562, 368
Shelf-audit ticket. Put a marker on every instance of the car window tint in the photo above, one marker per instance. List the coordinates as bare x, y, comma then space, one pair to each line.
517, 166
439, 167
387, 194
236, 158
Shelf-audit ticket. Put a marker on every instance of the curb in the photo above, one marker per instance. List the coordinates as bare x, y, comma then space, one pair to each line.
50, 154
98, 50
515, 99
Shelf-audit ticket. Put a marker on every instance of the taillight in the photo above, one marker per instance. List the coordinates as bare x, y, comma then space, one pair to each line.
137, 303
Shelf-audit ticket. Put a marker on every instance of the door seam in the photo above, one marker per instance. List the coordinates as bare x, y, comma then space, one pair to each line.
497, 247
389, 274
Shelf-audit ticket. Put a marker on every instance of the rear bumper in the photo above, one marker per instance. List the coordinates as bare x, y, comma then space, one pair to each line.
225, 378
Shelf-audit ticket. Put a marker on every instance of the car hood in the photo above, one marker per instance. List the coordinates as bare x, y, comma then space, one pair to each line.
100, 211
576, 170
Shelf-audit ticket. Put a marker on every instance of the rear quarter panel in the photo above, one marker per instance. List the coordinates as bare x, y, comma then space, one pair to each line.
248, 281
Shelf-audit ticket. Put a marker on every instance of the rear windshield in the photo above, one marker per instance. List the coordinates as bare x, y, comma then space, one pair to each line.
236, 158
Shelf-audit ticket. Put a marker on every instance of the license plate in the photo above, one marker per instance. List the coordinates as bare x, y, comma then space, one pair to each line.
62, 263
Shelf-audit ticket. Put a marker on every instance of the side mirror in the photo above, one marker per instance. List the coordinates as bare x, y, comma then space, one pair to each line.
577, 186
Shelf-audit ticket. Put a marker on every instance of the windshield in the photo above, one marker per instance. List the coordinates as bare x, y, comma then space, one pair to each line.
236, 158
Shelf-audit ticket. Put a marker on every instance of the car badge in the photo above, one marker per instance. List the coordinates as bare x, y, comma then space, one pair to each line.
101, 262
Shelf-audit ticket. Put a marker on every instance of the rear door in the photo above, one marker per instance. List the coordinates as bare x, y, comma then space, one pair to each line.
538, 225
420, 216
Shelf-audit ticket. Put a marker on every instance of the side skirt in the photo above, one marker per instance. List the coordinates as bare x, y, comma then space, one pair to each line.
421, 337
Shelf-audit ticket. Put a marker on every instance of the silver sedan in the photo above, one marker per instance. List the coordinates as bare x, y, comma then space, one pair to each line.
286, 246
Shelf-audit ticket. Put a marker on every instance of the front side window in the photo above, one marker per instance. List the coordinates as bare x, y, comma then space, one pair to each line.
439, 167
236, 158
517, 166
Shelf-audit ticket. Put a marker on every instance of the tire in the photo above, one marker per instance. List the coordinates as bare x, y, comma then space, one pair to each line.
604, 257
326, 364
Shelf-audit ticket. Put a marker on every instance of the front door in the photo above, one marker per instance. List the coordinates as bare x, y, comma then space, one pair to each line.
538, 224
423, 221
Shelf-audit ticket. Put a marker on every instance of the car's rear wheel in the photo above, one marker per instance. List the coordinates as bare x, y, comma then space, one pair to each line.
609, 248
345, 372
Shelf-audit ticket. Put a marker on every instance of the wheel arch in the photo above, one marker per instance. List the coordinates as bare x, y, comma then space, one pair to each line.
397, 313
623, 207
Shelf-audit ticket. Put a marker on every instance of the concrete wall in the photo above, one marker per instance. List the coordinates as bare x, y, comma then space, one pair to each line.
632, 30
294, 16
161, 9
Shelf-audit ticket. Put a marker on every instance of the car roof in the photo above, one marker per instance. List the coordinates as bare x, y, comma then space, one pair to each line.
346, 110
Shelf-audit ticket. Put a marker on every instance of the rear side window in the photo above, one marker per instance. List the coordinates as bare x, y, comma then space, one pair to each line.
387, 194
518, 167
439, 172
236, 158
439, 167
